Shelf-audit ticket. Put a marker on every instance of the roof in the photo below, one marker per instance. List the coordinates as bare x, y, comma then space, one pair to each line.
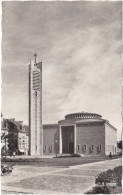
18, 124
26, 127
111, 125
81, 121
12, 125
55, 124
83, 115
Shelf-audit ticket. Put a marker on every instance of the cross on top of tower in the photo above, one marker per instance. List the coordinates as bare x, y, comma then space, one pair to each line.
35, 55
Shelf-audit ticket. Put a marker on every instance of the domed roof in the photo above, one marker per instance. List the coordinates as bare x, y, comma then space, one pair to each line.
83, 115
83, 118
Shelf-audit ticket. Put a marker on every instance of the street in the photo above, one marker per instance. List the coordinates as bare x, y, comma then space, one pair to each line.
54, 180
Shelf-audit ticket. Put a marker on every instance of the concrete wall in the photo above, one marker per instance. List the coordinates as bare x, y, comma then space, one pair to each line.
50, 135
35, 110
90, 134
110, 139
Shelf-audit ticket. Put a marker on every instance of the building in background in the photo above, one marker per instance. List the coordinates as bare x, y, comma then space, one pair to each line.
14, 132
23, 143
11, 145
4, 139
23, 140
35, 109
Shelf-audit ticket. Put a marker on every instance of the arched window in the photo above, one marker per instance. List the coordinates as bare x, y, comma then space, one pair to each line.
92, 147
45, 148
78, 148
51, 148
85, 147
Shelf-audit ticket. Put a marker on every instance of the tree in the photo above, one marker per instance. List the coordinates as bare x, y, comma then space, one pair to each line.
119, 144
11, 139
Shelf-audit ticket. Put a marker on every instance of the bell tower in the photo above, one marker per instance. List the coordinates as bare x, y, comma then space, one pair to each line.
35, 108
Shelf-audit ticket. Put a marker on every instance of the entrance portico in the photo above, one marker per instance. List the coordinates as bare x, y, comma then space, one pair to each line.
67, 134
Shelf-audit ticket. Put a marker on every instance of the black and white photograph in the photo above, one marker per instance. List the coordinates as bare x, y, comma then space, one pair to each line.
61, 97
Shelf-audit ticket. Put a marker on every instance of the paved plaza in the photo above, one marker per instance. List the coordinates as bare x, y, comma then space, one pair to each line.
54, 180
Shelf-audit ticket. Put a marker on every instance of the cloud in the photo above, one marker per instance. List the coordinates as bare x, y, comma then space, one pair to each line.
79, 44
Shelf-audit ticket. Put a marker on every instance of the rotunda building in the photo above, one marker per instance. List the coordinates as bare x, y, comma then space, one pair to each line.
83, 133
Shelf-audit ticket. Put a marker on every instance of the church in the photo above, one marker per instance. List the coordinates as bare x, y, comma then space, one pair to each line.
79, 133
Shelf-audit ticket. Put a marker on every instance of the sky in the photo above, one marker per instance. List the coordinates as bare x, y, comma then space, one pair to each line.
79, 44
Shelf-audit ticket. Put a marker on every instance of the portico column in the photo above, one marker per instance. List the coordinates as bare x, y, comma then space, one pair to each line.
60, 140
74, 138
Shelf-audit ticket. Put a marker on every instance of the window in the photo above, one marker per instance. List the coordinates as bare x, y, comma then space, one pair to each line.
100, 147
45, 148
50, 148
92, 147
78, 148
85, 147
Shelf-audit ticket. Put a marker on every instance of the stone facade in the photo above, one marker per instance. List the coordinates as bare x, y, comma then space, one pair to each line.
92, 135
50, 138
110, 139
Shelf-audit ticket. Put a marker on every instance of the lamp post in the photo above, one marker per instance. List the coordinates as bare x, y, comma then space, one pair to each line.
56, 147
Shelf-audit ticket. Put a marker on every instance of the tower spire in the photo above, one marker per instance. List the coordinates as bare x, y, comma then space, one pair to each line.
35, 55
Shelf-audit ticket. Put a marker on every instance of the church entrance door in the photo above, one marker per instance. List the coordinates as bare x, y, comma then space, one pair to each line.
67, 139
71, 147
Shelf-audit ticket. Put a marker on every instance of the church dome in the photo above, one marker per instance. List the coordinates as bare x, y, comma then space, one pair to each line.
83, 115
